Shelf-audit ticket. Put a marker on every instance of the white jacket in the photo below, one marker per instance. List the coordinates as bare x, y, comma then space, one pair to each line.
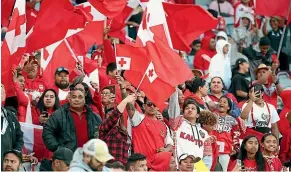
220, 64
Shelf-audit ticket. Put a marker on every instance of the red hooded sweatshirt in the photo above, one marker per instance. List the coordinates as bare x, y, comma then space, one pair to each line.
204, 55
283, 123
23, 102
285, 146
161, 161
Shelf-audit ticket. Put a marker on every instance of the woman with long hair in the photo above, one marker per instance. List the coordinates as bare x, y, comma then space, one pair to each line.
270, 145
47, 104
227, 132
250, 157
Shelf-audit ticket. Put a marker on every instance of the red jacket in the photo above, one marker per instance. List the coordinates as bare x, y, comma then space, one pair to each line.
23, 101
37, 84
285, 146
283, 123
36, 113
204, 55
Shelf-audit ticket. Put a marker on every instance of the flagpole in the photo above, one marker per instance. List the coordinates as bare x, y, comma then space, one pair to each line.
70, 49
141, 80
284, 30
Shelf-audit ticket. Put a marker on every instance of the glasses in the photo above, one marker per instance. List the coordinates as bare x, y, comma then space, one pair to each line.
105, 94
150, 104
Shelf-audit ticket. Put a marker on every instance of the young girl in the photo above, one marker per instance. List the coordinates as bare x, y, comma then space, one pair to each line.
270, 145
208, 121
250, 156
227, 132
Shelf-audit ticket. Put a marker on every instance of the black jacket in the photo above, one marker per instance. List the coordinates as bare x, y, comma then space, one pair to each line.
12, 138
46, 165
60, 130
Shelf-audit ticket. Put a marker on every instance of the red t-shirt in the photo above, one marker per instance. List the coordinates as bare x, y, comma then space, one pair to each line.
81, 126
148, 136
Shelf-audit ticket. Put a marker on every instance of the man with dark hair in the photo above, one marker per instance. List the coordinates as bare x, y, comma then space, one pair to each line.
61, 160
241, 80
72, 125
62, 83
115, 166
12, 160
136, 162
258, 55
11, 134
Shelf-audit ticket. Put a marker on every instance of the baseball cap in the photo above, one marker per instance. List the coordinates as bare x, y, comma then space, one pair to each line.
239, 61
264, 41
15, 152
64, 154
98, 149
62, 69
185, 155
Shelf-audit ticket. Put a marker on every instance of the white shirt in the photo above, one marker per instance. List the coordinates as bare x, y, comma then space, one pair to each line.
189, 137
261, 116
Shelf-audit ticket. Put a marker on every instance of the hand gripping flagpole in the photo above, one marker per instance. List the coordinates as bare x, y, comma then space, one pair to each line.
284, 30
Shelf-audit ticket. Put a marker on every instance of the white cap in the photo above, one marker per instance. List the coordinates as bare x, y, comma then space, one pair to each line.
98, 149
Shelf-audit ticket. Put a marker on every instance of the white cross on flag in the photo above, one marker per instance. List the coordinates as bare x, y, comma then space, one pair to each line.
151, 73
123, 63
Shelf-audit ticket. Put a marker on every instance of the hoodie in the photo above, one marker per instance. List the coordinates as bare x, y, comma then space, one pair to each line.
220, 64
78, 164
203, 56
161, 161
245, 34
283, 123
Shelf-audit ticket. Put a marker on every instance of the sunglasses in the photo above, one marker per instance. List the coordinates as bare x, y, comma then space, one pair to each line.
150, 104
62, 69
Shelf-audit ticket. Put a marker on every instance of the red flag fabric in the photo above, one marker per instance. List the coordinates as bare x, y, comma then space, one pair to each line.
32, 137
154, 35
53, 22
13, 46
273, 8
31, 15
110, 8
185, 28
143, 72
54, 56
6, 10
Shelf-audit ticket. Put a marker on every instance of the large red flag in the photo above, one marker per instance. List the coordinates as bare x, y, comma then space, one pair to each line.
153, 34
6, 10
143, 74
185, 28
31, 15
273, 8
54, 20
110, 8
13, 45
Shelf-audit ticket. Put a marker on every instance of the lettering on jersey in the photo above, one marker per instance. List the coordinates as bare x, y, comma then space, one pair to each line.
225, 124
191, 138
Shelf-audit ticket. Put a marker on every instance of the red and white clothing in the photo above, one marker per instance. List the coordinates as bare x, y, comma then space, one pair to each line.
148, 135
227, 134
34, 87
270, 94
239, 9
62, 94
273, 163
23, 102
190, 138
262, 116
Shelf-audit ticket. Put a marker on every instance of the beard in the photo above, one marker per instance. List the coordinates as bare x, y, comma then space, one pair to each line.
62, 86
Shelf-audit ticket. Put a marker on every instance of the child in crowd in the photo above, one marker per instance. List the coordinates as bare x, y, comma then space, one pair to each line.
208, 121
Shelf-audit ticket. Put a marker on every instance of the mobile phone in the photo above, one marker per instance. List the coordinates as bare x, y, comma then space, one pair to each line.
257, 90
45, 113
